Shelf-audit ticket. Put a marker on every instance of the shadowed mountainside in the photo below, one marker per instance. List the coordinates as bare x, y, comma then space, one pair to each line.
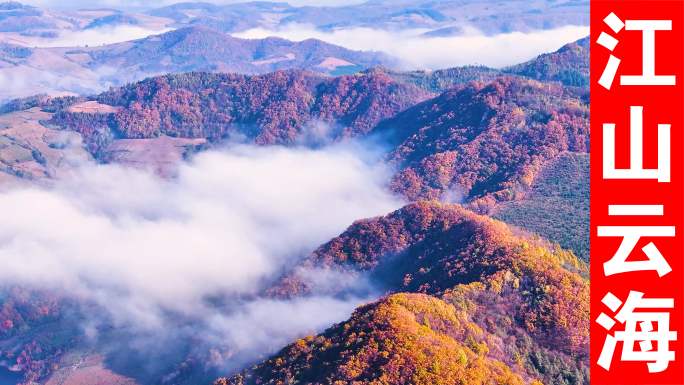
560, 190
482, 143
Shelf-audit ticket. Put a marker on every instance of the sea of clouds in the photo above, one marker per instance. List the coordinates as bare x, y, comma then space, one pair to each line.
432, 52
141, 246
187, 258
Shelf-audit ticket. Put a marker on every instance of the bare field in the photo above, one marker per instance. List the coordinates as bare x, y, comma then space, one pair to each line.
38, 151
31, 150
89, 370
92, 107
333, 62
158, 154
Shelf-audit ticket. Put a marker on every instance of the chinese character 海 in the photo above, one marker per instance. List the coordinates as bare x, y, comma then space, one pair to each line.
657, 360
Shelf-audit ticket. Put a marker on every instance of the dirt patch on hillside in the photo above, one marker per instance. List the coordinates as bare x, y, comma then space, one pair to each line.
35, 150
333, 62
158, 154
90, 370
92, 107
289, 56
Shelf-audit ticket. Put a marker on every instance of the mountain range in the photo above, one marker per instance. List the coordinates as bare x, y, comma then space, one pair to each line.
439, 18
26, 25
93, 69
501, 135
43, 50
442, 18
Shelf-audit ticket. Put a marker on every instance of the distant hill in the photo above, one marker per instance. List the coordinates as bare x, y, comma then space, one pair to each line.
88, 70
568, 66
443, 18
24, 23
15, 17
439, 18
113, 20
205, 49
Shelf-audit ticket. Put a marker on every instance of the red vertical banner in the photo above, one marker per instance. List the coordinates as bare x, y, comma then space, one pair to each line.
637, 192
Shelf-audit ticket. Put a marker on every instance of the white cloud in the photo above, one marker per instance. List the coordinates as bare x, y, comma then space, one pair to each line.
436, 52
97, 36
265, 326
140, 246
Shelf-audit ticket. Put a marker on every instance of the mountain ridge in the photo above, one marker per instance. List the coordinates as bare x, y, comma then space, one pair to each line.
502, 288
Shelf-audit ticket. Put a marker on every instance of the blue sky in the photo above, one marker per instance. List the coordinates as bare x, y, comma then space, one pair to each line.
128, 4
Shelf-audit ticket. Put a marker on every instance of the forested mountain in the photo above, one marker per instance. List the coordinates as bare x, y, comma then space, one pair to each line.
27, 23
514, 309
196, 48
275, 108
406, 338
440, 80
440, 18
560, 190
568, 66
484, 142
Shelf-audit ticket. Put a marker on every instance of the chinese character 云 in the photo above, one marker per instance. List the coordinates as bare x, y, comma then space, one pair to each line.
630, 237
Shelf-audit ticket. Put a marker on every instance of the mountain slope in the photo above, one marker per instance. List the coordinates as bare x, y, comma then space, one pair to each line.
556, 206
568, 66
275, 108
523, 299
198, 48
440, 80
406, 338
482, 143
